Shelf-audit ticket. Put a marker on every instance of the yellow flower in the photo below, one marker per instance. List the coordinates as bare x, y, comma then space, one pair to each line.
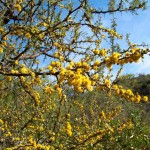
16, 62
32, 74
103, 52
52, 138
28, 35
24, 70
56, 54
41, 36
13, 71
78, 64
72, 63
49, 67
107, 83
56, 44
96, 76
90, 88
61, 146
129, 124
137, 98
145, 98
58, 64
1, 29
22, 78
48, 89
53, 71
4, 43
68, 125
84, 64
1, 121
1, 49
115, 87
53, 63
45, 24
62, 71
97, 63
8, 134
127, 54
129, 92
68, 115
68, 129
18, 32
69, 132
91, 8
96, 51
102, 36
8, 78
18, 7
102, 114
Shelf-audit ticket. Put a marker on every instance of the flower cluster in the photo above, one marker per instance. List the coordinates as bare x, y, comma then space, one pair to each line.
128, 94
68, 129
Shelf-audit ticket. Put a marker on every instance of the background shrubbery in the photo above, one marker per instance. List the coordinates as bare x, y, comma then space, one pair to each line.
98, 120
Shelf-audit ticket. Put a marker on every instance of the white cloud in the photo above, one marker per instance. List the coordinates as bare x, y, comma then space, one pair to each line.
142, 67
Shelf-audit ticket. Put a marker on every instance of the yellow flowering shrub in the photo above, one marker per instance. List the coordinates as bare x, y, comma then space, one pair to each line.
54, 91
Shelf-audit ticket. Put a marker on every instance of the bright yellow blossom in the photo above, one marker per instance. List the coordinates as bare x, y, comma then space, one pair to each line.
28, 35
1, 49
18, 7
68, 129
145, 98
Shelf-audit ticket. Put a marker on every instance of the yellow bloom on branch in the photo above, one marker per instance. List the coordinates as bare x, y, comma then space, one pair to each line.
145, 99
68, 129
24, 70
18, 7
16, 62
97, 63
28, 35
1, 29
1, 49
1, 121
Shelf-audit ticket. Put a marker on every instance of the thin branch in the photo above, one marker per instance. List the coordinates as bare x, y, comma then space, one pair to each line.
116, 10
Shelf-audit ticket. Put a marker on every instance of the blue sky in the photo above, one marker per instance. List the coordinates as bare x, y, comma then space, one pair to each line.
138, 26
